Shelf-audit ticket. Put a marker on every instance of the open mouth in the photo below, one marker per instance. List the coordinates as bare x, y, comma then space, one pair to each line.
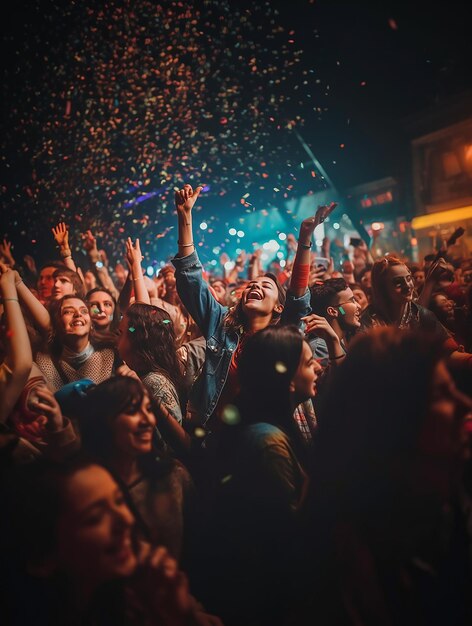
253, 295
77, 323
144, 435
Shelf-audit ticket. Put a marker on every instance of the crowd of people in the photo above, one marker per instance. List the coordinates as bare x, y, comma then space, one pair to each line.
259, 447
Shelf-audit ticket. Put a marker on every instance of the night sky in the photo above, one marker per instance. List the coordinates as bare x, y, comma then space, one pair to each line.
108, 106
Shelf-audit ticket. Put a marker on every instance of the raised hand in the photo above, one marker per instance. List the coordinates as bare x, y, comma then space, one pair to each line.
61, 235
310, 223
241, 260
89, 244
320, 326
7, 279
185, 199
30, 263
5, 252
162, 586
133, 253
316, 274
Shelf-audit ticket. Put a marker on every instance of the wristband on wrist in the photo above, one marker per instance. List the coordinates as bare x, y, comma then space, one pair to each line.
335, 358
304, 246
300, 275
185, 245
66, 253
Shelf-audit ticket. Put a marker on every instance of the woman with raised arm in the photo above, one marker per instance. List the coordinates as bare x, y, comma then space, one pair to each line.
263, 302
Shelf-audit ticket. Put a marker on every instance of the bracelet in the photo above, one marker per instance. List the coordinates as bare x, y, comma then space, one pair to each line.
66, 253
185, 245
19, 282
139, 278
335, 358
304, 246
11, 300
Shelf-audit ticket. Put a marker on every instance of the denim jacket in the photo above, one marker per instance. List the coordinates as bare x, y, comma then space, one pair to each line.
221, 341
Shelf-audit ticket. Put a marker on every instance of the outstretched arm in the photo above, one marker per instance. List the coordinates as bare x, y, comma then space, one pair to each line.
19, 359
89, 244
61, 235
38, 311
134, 258
301, 266
184, 200
193, 290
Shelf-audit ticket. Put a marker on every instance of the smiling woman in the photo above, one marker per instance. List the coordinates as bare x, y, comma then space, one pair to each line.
118, 428
81, 559
74, 352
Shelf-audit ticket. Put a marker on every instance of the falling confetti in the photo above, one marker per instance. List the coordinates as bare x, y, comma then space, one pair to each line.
128, 101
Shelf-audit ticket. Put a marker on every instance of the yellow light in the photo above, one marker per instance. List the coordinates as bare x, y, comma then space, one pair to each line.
442, 217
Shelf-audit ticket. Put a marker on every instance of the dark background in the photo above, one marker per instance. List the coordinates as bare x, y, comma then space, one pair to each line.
365, 70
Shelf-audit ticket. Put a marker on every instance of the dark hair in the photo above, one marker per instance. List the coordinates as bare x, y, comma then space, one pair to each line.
56, 264
322, 296
79, 289
101, 404
100, 407
267, 365
381, 300
102, 340
34, 497
236, 317
153, 341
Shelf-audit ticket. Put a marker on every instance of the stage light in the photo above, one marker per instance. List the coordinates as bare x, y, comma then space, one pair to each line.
203, 225
241, 233
150, 270
282, 236
335, 226
232, 231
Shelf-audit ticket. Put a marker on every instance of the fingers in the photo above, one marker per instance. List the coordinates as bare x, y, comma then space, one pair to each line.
312, 317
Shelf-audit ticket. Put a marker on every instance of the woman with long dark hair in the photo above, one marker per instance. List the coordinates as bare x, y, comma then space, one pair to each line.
147, 344
117, 424
74, 557
75, 352
262, 479
263, 302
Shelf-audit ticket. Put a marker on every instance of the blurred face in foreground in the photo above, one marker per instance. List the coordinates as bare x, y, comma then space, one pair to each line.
94, 542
